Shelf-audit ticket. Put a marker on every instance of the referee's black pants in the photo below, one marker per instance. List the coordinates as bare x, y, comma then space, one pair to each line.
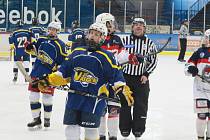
183, 47
135, 121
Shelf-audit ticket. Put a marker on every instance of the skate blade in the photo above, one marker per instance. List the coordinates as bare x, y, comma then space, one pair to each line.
35, 128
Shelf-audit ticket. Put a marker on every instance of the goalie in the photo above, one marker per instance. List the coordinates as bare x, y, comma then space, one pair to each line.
198, 66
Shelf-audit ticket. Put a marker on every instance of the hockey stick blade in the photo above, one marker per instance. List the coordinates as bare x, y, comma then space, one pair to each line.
23, 71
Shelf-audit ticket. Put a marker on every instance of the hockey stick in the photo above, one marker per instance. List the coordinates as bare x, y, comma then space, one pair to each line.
159, 50
23, 71
87, 94
66, 88
146, 56
10, 55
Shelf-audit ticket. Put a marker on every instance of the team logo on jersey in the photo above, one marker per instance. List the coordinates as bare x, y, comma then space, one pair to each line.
202, 54
84, 76
44, 57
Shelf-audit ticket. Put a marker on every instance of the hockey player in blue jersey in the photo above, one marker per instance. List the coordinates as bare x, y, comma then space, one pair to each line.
16, 41
113, 44
77, 36
90, 69
50, 52
36, 31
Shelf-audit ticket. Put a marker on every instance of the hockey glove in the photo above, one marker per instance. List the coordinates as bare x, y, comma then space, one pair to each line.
29, 48
193, 70
103, 91
43, 85
126, 92
133, 59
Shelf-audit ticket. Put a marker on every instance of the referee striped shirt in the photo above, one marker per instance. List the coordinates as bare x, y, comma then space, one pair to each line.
144, 46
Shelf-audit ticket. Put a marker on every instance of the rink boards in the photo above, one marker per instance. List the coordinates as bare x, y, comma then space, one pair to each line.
159, 39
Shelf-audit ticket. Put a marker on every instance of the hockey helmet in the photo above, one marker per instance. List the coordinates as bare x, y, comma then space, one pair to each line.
75, 24
108, 20
56, 25
139, 20
99, 27
20, 23
184, 21
104, 18
93, 46
207, 34
206, 38
35, 21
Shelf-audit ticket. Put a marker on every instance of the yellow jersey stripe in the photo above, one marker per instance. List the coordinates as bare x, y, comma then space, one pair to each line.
109, 60
79, 49
62, 53
21, 31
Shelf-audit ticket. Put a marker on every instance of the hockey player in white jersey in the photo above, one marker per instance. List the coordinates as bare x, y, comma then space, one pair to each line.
198, 66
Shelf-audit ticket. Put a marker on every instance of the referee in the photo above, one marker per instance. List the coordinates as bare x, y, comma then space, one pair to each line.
136, 77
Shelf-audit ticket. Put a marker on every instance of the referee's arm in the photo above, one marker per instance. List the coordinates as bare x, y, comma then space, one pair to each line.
152, 60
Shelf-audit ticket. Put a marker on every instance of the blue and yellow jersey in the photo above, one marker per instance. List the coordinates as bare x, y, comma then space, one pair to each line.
76, 38
50, 54
76, 34
90, 72
18, 38
37, 32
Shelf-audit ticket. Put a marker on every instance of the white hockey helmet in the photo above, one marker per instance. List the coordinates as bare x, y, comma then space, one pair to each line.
99, 27
139, 20
56, 25
105, 17
207, 34
206, 38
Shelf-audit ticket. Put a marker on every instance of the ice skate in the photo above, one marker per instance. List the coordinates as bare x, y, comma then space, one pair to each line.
112, 138
200, 138
14, 79
35, 124
46, 122
102, 137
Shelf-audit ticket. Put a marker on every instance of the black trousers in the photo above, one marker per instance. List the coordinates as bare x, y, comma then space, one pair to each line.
183, 45
135, 121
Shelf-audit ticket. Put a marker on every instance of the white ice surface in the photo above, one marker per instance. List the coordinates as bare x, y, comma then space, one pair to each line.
170, 115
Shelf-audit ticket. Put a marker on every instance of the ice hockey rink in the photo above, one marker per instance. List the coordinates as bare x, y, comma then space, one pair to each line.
170, 115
